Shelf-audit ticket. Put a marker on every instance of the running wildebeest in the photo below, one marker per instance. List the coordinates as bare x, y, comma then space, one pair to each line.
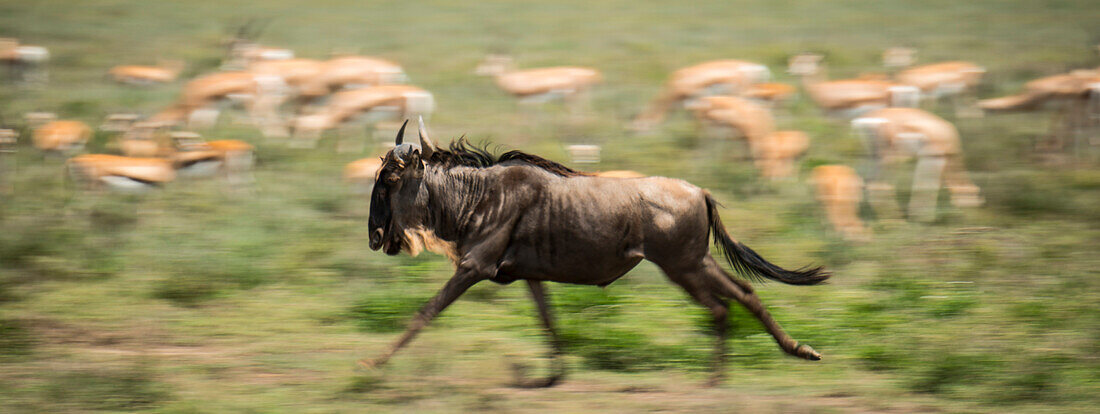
521, 217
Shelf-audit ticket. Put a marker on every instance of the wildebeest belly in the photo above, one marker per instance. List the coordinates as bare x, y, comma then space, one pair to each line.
592, 230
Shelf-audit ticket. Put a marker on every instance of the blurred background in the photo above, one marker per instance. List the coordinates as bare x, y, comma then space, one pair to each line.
216, 260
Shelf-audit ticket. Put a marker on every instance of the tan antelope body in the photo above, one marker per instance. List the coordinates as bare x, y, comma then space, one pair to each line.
895, 134
200, 98
731, 77
773, 151
120, 173
533, 86
619, 174
942, 79
144, 75
385, 102
62, 136
360, 174
26, 61
350, 72
1075, 97
844, 97
840, 190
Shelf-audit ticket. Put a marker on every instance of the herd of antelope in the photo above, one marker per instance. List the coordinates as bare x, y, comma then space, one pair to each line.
298, 99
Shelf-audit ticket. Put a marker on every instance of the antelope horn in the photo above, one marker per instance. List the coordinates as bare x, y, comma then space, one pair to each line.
401, 133
427, 147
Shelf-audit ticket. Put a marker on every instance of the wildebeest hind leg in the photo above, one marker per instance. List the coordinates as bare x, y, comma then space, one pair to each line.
538, 293
724, 286
691, 282
459, 283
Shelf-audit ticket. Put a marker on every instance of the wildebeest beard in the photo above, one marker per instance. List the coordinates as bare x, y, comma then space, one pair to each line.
521, 217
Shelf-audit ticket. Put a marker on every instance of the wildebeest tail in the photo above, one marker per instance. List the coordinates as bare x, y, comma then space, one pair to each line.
748, 263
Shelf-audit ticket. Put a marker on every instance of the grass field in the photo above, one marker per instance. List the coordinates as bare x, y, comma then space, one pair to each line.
192, 299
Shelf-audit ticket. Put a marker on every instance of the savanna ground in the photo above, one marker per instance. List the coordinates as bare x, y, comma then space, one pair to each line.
191, 299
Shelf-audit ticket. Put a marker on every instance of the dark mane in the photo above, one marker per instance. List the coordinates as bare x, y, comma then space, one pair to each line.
462, 153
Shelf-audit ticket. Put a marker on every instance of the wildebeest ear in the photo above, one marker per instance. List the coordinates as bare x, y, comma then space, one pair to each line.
401, 133
427, 147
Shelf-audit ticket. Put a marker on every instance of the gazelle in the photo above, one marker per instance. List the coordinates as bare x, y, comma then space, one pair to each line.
773, 151
731, 77
840, 190
894, 134
8, 139
242, 49
571, 84
352, 72
167, 71
119, 173
199, 100
619, 174
26, 62
64, 137
386, 102
1075, 97
845, 97
952, 80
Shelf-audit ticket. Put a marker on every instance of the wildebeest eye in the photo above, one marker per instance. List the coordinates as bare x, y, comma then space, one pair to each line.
392, 178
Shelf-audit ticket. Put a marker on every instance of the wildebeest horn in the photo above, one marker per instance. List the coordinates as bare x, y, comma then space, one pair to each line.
426, 145
401, 133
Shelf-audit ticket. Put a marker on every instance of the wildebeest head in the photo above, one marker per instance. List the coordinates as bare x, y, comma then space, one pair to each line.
396, 203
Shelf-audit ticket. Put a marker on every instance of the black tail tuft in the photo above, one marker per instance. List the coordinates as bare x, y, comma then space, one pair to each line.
749, 264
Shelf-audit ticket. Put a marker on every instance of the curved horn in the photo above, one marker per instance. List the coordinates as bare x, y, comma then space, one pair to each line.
427, 147
401, 133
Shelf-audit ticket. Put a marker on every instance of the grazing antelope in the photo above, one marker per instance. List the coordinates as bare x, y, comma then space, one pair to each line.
165, 72
840, 190
845, 97
386, 102
61, 137
26, 63
198, 102
773, 151
895, 134
730, 77
571, 84
119, 173
1073, 95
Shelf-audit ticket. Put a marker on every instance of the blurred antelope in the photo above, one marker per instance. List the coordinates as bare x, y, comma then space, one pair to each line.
844, 98
386, 102
951, 80
167, 71
57, 137
8, 140
155, 156
26, 63
895, 134
840, 190
242, 49
571, 84
119, 173
1075, 97
773, 151
308, 79
198, 102
620, 174
730, 77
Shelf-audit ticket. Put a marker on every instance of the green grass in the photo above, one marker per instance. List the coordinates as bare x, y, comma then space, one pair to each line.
194, 299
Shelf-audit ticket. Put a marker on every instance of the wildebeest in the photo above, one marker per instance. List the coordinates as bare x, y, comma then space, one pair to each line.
521, 217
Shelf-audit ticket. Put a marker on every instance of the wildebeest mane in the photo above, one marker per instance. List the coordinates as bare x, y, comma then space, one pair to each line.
463, 154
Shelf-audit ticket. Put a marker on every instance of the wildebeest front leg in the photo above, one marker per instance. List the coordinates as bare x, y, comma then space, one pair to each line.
557, 364
463, 279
